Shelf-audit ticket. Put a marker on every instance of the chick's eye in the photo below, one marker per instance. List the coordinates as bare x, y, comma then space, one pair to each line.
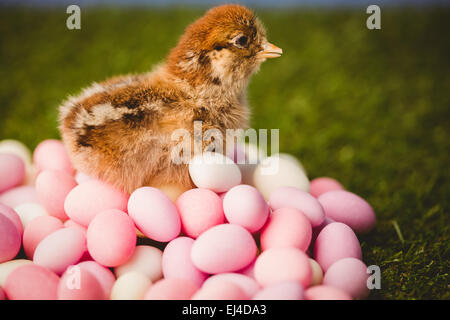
241, 41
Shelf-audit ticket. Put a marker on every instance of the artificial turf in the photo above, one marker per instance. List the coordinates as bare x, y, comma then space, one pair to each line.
367, 107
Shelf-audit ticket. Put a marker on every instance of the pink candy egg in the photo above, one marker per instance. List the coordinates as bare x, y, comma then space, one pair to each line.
199, 209
154, 214
291, 197
32, 282
79, 284
19, 195
92, 197
321, 185
146, 260
326, 293
52, 187
80, 177
220, 290
244, 205
283, 264
37, 230
103, 275
346, 207
286, 227
223, 248
60, 249
177, 263
247, 284
13, 216
171, 289
349, 275
12, 171
336, 241
111, 238
289, 290
10, 239
71, 223
51, 154
248, 270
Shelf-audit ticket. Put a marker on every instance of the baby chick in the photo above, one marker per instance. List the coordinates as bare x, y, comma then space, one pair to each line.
120, 130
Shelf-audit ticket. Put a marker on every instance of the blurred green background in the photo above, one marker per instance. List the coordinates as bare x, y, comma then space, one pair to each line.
369, 108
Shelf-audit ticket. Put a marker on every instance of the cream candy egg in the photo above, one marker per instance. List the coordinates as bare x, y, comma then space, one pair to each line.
60, 249
51, 154
349, 208
146, 260
214, 171
286, 227
247, 157
130, 286
29, 211
177, 262
279, 170
18, 148
247, 284
349, 275
111, 238
19, 195
326, 293
37, 230
154, 214
52, 188
220, 290
336, 241
103, 275
31, 282
317, 273
223, 248
171, 289
289, 290
291, 197
199, 209
10, 239
79, 284
318, 186
12, 171
283, 264
13, 216
9, 266
88, 199
244, 205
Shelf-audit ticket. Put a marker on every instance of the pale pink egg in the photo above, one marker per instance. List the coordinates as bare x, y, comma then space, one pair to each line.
10, 239
283, 264
154, 214
2, 294
87, 200
220, 290
19, 195
60, 249
171, 289
286, 227
288, 290
316, 230
291, 197
79, 284
52, 188
146, 260
12, 171
177, 263
349, 275
103, 275
81, 177
247, 284
248, 270
321, 185
336, 241
111, 238
223, 248
31, 282
244, 205
37, 230
349, 208
199, 209
13, 216
71, 223
326, 293
51, 154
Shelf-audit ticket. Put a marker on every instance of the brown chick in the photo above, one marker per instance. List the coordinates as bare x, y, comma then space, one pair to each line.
120, 130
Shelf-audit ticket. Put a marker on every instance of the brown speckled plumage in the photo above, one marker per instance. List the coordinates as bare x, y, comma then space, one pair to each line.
120, 130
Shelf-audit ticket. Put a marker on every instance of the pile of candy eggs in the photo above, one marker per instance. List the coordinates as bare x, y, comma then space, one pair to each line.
245, 232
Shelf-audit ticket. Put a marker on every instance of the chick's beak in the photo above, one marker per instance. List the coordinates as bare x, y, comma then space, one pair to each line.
270, 51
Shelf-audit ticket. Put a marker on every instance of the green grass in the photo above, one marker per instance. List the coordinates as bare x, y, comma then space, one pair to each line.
369, 108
